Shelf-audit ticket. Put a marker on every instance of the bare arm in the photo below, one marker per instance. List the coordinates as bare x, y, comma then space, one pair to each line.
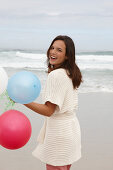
46, 109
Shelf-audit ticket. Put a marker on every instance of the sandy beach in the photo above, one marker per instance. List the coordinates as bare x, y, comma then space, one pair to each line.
95, 114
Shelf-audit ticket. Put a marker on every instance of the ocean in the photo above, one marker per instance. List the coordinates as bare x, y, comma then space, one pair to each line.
96, 67
94, 109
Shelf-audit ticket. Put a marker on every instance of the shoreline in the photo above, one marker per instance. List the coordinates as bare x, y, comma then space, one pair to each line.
42, 75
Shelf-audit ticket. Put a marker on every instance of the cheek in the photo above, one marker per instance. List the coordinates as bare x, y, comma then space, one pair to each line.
63, 58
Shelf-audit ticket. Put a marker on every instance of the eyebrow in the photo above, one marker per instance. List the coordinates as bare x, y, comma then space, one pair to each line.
57, 47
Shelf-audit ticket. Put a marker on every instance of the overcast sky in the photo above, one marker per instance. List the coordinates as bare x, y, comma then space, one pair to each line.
32, 24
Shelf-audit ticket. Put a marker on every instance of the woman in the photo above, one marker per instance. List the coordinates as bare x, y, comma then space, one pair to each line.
59, 141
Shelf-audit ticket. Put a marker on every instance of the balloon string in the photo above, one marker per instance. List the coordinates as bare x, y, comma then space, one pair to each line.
10, 104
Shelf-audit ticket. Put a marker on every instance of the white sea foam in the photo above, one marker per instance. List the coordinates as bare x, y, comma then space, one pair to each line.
31, 56
97, 58
97, 69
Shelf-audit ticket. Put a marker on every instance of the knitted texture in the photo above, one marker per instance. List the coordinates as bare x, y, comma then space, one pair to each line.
60, 137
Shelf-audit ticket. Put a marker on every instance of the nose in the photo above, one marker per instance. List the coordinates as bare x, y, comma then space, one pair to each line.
53, 51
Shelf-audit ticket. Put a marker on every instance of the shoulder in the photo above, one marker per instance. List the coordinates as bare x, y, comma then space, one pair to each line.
58, 74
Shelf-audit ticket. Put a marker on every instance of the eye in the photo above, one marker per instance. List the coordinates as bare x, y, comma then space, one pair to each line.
59, 49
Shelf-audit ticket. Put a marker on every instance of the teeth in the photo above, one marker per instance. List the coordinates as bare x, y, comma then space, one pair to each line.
53, 57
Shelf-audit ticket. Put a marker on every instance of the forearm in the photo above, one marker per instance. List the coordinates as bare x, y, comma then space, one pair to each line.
42, 109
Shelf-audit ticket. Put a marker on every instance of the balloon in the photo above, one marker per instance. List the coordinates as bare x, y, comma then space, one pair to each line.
24, 87
3, 80
15, 129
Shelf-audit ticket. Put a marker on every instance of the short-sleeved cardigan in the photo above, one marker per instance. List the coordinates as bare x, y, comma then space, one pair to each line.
60, 137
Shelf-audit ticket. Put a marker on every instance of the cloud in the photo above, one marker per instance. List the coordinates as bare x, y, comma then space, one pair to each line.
30, 20
55, 9
35, 15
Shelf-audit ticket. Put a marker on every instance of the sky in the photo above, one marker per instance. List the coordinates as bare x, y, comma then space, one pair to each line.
33, 24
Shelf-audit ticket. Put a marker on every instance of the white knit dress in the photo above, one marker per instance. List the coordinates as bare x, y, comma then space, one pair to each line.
59, 141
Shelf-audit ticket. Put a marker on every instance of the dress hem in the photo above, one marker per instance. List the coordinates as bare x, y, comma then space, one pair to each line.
54, 164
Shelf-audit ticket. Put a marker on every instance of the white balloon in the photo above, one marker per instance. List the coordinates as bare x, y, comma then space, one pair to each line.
3, 80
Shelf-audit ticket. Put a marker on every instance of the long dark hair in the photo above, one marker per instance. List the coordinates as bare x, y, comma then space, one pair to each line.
69, 64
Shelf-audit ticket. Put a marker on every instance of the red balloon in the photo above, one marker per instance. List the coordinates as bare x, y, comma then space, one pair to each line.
15, 129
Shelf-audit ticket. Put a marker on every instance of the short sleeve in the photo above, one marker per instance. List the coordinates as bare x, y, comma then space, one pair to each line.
55, 89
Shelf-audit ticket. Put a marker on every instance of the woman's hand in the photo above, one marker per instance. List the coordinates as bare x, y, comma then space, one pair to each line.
11, 100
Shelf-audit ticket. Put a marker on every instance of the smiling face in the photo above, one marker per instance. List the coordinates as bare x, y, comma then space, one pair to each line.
57, 53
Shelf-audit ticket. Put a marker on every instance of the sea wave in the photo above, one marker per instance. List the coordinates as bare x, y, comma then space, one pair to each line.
31, 55
95, 58
38, 60
32, 66
97, 68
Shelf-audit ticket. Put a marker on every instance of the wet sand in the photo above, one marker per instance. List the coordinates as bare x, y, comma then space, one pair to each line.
95, 114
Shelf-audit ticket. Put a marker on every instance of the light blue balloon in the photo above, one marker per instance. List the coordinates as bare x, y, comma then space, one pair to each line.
24, 87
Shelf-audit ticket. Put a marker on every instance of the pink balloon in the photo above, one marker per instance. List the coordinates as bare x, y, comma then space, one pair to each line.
15, 129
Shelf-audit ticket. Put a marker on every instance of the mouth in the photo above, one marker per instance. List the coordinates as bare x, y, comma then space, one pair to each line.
52, 58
